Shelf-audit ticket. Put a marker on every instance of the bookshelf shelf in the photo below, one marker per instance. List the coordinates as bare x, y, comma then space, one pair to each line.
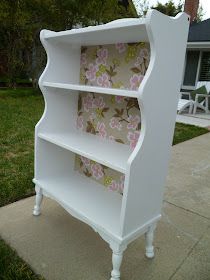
110, 91
108, 153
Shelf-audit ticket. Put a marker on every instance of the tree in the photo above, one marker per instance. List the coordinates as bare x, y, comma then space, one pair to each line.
13, 20
200, 14
169, 8
22, 20
142, 6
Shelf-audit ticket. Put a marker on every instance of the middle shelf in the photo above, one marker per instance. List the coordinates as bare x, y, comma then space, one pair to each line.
103, 151
86, 88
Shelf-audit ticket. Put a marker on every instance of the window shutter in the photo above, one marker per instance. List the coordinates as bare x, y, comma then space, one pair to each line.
205, 67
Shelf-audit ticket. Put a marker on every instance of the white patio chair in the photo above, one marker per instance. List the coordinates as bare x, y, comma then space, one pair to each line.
201, 98
183, 103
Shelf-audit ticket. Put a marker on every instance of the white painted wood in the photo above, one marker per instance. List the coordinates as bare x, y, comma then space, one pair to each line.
38, 201
108, 153
204, 105
183, 104
129, 30
111, 91
118, 219
116, 262
81, 196
159, 94
149, 236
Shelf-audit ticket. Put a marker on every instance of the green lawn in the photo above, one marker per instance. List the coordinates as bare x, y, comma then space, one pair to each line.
12, 267
185, 132
20, 110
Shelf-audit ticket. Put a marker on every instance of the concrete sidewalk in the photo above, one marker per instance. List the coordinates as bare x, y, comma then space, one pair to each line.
201, 119
59, 247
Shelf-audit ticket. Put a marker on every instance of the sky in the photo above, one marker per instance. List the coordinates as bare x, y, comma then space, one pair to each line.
204, 3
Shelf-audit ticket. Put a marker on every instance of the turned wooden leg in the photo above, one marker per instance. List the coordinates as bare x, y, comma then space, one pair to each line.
116, 262
149, 235
38, 201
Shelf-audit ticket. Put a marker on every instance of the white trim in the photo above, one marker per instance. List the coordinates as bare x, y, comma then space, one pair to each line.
198, 67
188, 87
200, 45
183, 71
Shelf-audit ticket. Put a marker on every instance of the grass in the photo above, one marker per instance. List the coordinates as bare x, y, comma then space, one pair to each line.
12, 267
20, 110
185, 132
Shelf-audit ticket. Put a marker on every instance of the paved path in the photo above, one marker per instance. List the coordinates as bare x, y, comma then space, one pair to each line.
61, 248
202, 120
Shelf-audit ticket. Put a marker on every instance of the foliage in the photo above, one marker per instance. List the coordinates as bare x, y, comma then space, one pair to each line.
142, 7
169, 8
200, 14
22, 20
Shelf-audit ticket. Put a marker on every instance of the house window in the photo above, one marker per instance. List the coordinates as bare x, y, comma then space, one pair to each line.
192, 59
205, 67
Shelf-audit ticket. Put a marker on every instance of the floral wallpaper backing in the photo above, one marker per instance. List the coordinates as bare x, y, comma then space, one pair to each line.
116, 118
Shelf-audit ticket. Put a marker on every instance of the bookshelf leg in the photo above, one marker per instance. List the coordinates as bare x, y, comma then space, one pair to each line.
38, 201
116, 262
149, 236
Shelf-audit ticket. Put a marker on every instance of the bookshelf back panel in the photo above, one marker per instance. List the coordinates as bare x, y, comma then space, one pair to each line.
113, 117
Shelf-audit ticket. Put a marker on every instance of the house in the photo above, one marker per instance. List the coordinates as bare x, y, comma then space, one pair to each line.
197, 63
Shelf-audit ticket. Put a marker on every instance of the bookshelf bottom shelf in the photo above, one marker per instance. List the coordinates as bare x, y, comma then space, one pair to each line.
86, 199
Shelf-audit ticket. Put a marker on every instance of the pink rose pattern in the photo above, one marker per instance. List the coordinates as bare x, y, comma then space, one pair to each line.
85, 161
135, 80
121, 47
91, 72
97, 171
102, 55
114, 123
117, 186
115, 118
103, 81
101, 128
133, 122
133, 138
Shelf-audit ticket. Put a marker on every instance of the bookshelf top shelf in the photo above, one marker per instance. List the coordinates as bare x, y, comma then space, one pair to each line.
122, 30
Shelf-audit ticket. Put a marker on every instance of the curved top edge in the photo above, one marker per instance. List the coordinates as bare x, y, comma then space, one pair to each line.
154, 13
44, 33
119, 23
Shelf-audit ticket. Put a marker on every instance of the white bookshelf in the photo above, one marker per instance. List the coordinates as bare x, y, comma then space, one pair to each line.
119, 219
